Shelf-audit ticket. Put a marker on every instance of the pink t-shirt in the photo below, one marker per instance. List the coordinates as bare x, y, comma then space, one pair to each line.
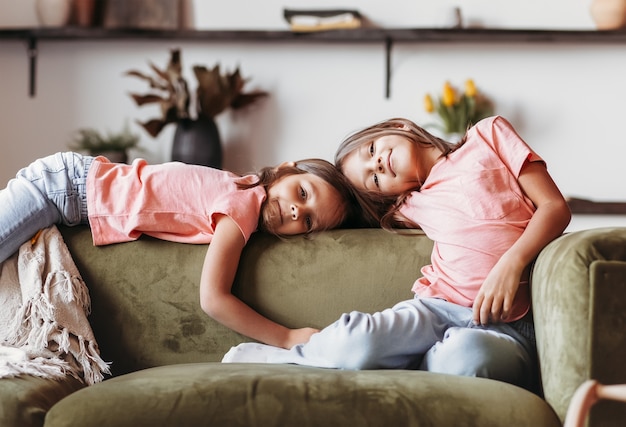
473, 208
171, 201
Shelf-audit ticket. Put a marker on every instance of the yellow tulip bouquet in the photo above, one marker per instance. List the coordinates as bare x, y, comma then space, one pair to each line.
459, 111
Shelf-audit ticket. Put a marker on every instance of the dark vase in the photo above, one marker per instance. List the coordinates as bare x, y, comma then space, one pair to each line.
197, 142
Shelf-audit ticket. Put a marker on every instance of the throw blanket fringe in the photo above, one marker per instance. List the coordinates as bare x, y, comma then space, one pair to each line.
45, 331
23, 361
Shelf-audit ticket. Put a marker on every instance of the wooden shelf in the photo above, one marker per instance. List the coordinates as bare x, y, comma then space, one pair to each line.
387, 36
590, 207
364, 35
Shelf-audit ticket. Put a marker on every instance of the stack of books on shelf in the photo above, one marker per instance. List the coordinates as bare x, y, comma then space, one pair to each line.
322, 20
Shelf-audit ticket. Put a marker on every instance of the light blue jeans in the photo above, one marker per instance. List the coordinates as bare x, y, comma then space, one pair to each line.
51, 190
423, 333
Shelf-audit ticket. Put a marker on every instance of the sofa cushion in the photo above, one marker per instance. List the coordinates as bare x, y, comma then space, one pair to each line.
24, 400
213, 394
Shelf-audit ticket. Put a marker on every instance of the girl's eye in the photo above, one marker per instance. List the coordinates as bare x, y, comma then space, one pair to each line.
376, 181
309, 224
302, 193
371, 150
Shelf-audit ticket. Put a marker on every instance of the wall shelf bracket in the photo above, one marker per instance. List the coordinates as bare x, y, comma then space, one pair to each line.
32, 59
388, 46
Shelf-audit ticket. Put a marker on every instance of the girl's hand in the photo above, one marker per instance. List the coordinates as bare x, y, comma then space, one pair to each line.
495, 298
299, 336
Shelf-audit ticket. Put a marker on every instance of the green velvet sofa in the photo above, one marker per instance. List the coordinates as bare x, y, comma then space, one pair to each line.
165, 352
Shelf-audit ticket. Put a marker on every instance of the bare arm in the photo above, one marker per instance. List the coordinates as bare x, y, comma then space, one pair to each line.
495, 298
216, 299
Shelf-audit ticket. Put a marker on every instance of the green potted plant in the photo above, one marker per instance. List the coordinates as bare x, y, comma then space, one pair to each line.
197, 138
112, 145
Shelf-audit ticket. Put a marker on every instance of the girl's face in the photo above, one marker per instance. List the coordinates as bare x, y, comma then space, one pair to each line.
300, 204
386, 165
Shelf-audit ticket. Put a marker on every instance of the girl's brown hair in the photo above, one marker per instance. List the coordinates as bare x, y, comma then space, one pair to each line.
377, 208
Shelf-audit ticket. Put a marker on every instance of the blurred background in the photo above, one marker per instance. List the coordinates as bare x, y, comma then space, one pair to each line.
565, 99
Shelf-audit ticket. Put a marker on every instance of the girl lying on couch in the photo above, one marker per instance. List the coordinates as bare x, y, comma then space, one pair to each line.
181, 203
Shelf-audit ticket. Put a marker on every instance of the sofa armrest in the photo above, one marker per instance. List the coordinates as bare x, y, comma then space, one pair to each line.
579, 308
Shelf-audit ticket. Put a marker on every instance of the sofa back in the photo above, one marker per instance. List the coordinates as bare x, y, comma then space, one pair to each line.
145, 297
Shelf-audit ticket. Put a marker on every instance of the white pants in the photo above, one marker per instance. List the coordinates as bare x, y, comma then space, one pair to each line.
423, 333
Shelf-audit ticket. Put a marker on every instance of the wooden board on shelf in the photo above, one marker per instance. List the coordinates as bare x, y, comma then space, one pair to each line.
146, 14
584, 206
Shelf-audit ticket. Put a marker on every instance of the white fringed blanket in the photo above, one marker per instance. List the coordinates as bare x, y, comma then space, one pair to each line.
44, 304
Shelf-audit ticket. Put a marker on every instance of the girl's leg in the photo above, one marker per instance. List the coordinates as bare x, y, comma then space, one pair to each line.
498, 352
395, 338
49, 191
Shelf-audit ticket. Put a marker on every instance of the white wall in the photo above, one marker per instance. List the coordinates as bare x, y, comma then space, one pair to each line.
566, 100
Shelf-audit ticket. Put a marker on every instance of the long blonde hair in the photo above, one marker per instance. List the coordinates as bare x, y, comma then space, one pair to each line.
379, 209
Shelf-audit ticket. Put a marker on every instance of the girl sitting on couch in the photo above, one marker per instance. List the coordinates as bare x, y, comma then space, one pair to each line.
181, 203
490, 206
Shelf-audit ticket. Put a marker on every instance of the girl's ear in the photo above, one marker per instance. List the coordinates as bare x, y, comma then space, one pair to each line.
396, 125
285, 165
